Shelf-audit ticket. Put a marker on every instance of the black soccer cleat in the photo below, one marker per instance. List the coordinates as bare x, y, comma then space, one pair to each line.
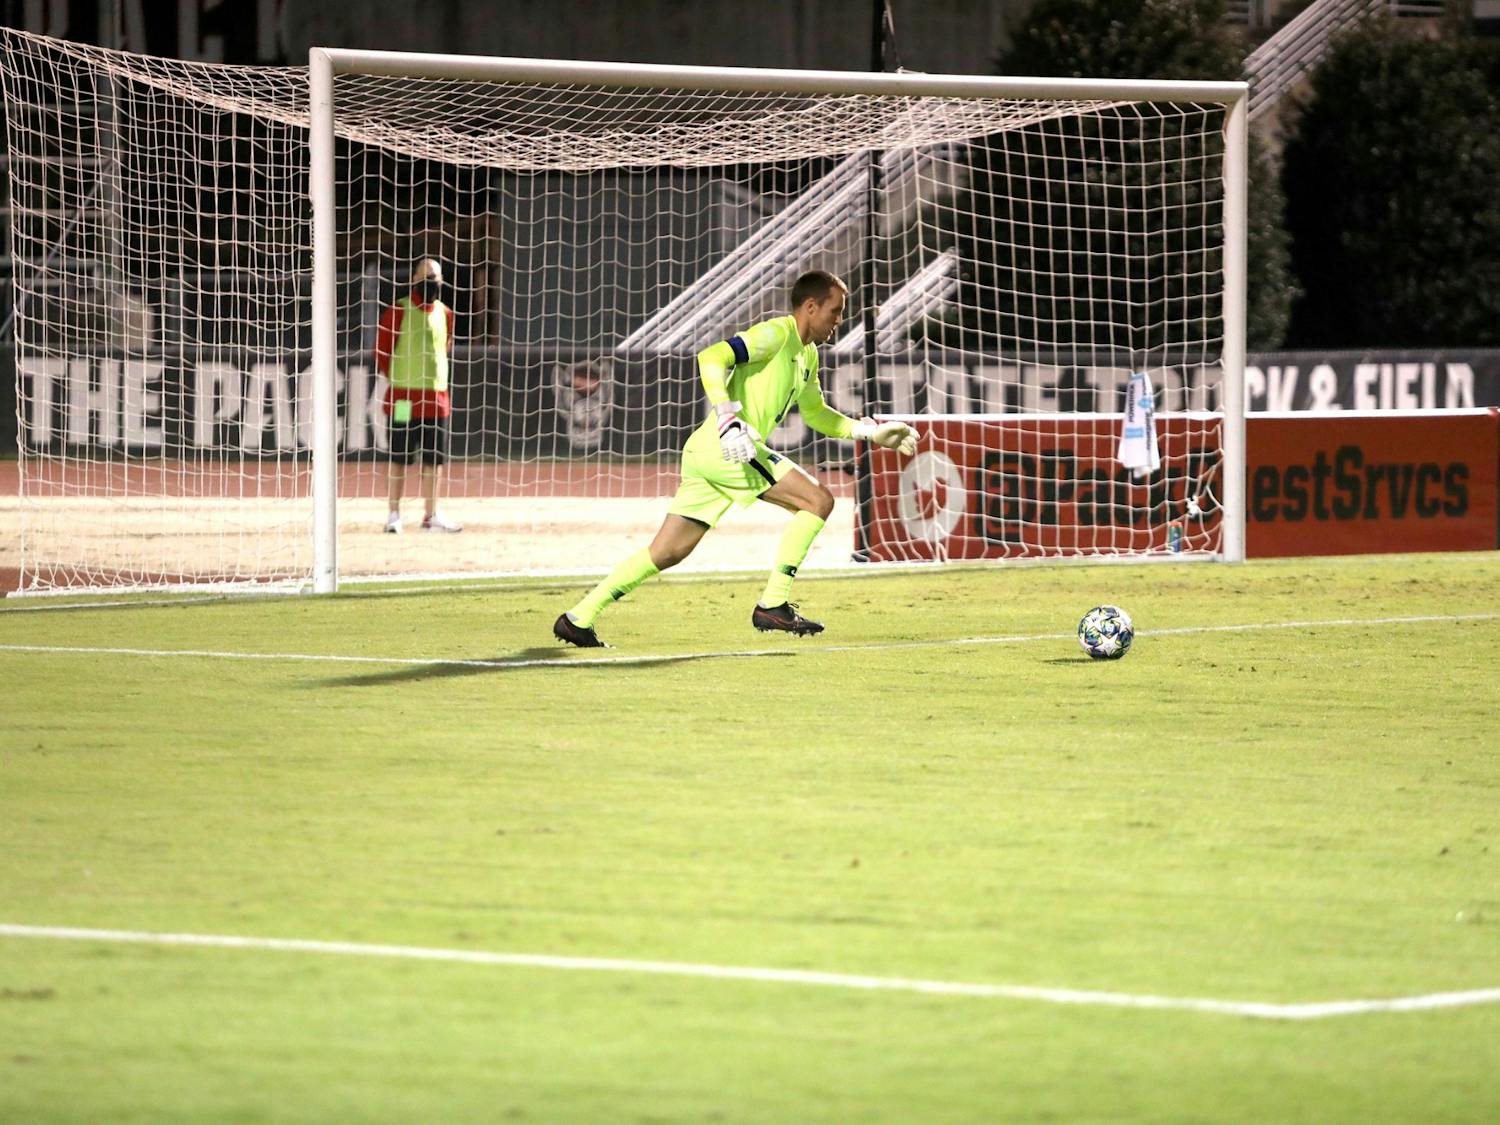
564, 630
783, 618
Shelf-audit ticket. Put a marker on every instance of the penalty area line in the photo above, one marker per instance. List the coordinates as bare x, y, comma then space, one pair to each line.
806, 977
803, 648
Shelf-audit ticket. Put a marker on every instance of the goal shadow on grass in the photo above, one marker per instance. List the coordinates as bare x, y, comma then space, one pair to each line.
534, 659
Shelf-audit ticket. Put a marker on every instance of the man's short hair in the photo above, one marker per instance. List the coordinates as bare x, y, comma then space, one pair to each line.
816, 284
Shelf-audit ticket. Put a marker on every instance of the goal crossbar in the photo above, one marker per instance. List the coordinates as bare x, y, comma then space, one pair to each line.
736, 79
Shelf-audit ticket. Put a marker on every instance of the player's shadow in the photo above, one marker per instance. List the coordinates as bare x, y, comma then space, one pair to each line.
551, 658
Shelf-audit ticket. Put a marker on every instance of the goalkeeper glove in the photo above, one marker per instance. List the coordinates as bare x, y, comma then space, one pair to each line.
893, 435
736, 440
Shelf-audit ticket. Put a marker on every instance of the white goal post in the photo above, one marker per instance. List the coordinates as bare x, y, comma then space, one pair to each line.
1018, 248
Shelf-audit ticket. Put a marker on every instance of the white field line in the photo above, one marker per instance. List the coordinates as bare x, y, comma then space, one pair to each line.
119, 603
803, 649
1252, 1009
441, 582
469, 582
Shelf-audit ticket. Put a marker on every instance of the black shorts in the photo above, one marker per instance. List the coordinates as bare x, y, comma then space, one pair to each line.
424, 437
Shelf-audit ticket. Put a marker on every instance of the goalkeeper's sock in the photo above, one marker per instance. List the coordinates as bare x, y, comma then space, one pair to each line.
623, 579
795, 542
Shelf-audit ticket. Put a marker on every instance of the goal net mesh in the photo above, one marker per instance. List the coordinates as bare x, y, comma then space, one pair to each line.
1019, 259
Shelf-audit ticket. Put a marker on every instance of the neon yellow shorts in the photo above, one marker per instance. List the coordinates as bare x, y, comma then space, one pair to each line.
711, 485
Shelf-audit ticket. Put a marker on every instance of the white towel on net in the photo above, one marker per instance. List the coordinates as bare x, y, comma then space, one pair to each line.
1138, 450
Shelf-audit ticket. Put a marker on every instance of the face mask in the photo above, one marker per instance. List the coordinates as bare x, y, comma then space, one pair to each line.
428, 290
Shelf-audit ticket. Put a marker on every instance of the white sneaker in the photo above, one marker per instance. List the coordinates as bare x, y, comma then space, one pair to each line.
439, 522
393, 523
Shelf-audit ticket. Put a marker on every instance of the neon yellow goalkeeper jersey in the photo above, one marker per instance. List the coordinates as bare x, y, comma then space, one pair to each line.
768, 370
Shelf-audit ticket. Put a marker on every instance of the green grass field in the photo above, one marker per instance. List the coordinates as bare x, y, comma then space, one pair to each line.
1285, 814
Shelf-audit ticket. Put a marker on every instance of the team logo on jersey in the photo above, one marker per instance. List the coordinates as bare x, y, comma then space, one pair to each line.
932, 498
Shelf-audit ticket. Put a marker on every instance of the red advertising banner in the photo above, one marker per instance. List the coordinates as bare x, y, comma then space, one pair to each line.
1329, 484
1025, 487
1022, 487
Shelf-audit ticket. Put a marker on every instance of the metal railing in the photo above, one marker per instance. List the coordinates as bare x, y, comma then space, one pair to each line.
1288, 56
924, 294
826, 217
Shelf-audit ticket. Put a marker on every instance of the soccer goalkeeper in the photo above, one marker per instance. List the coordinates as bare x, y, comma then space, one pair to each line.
753, 379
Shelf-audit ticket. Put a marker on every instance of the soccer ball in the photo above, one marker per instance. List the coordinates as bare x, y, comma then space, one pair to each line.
1106, 632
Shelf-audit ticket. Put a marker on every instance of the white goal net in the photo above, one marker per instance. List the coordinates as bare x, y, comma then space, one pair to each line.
1016, 251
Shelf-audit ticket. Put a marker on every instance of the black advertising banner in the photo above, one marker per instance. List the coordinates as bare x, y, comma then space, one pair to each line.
1384, 380
185, 405
521, 407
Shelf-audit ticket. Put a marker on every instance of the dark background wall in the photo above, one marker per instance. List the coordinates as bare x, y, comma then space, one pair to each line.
956, 36
934, 35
